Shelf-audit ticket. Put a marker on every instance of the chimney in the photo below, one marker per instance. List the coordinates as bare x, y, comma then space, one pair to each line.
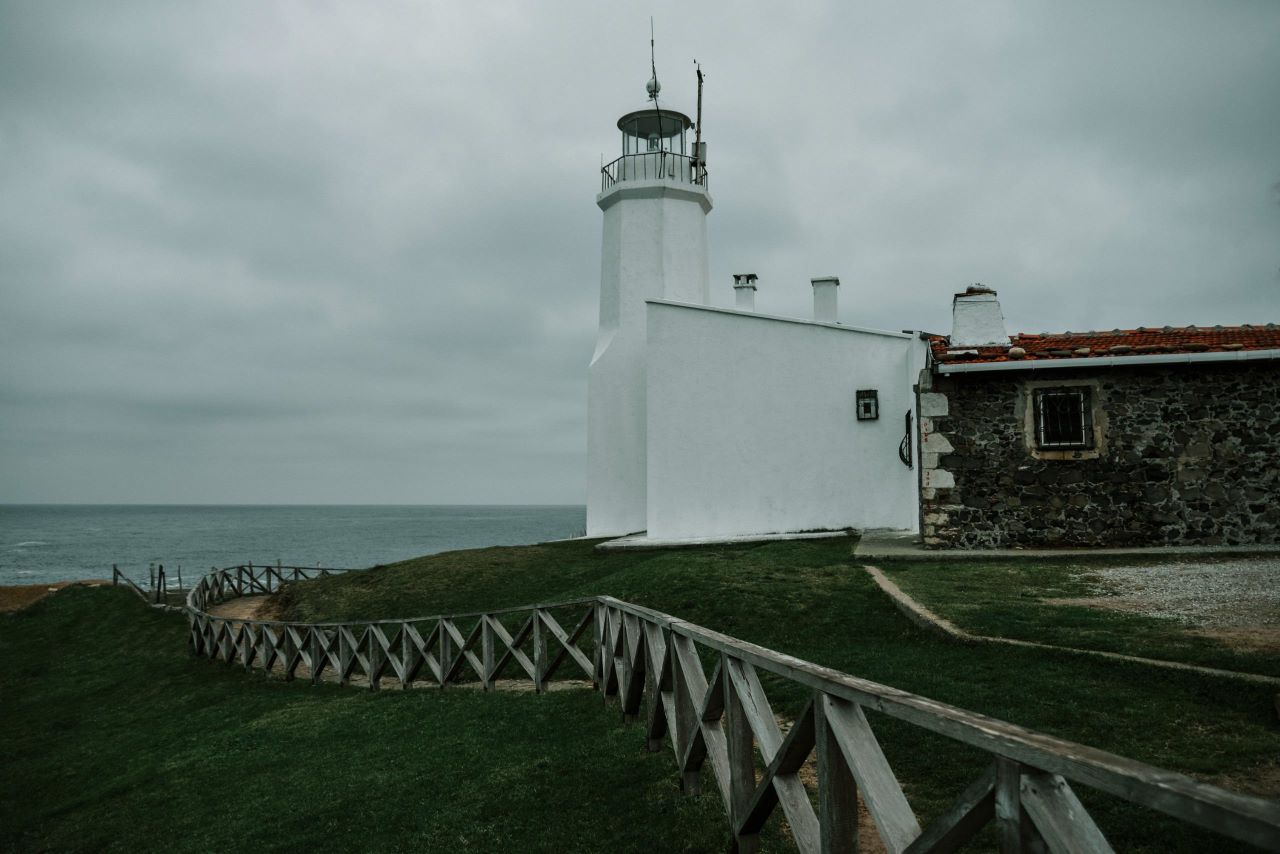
744, 288
824, 299
976, 319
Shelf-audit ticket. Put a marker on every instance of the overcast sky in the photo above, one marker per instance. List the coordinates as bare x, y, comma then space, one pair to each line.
349, 252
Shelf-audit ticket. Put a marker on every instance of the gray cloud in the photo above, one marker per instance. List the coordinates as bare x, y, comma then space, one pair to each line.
304, 252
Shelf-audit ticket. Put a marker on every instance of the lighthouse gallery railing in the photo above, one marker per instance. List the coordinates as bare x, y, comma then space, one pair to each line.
653, 165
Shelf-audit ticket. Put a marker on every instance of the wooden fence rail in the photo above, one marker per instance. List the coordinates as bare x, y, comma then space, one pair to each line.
117, 576
701, 692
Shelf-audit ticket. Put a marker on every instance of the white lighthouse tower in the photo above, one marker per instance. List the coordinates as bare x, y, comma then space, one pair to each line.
655, 204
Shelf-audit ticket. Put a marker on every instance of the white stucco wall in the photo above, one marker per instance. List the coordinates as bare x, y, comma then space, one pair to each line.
751, 425
654, 246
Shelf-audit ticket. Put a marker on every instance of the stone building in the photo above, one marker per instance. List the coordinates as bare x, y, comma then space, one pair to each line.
1128, 437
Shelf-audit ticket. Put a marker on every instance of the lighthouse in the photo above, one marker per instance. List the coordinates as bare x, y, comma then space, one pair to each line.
654, 247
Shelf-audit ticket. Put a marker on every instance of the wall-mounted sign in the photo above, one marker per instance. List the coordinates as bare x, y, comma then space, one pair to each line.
868, 404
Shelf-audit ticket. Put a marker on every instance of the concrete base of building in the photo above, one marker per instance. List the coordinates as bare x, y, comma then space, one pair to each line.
886, 545
644, 541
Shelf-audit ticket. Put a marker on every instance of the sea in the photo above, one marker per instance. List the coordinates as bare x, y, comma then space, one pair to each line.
65, 542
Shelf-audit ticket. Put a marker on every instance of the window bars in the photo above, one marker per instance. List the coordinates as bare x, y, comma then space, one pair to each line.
1063, 418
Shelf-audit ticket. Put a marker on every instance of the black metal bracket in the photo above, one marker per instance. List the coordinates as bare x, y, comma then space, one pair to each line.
905, 447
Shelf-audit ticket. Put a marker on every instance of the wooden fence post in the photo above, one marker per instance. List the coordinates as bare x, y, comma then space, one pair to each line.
246, 647
742, 760
407, 654
345, 653
228, 642
376, 656
597, 677
657, 680
446, 650
313, 644
539, 651
1016, 833
685, 712
199, 647
633, 653
837, 790
486, 651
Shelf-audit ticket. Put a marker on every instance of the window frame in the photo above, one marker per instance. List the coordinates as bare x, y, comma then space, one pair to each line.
1095, 414
1080, 415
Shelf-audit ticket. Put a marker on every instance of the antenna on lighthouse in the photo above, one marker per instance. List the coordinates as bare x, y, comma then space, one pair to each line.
697, 128
654, 87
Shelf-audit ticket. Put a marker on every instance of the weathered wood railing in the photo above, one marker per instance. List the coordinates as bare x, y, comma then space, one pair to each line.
248, 580
117, 576
653, 664
160, 593
443, 649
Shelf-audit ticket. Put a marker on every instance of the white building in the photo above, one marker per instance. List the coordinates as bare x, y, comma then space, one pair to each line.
713, 422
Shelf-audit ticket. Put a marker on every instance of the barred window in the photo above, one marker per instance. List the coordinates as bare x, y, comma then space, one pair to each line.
1063, 418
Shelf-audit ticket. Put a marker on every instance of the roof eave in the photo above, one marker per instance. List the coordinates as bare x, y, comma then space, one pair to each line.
1109, 361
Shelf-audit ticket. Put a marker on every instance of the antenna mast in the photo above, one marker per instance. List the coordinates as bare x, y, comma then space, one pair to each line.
654, 86
653, 64
697, 129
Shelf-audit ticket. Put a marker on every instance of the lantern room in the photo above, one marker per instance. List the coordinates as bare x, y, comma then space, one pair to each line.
656, 146
653, 130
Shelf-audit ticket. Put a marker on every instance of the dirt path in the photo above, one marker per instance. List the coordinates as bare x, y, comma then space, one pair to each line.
16, 597
243, 608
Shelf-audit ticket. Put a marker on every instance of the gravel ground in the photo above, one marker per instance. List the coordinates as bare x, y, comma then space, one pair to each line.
1218, 594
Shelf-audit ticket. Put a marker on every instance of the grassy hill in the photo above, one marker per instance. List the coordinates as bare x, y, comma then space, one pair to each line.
114, 737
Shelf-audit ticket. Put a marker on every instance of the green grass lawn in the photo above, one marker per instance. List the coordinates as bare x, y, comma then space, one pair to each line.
114, 737
1006, 599
810, 599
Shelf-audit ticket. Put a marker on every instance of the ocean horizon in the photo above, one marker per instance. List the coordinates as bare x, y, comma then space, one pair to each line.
71, 542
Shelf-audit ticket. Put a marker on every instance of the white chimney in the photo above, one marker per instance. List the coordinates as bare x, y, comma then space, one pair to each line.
824, 298
744, 288
976, 319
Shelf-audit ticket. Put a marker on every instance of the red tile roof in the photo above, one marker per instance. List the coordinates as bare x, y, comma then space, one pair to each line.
1047, 346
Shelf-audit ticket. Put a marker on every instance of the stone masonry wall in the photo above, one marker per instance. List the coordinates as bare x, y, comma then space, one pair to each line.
1189, 454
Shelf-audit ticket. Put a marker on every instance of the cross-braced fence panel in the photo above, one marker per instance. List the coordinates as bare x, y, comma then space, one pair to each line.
706, 696
539, 643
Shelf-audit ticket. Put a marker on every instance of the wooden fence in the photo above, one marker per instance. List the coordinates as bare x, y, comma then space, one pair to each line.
444, 649
117, 576
656, 667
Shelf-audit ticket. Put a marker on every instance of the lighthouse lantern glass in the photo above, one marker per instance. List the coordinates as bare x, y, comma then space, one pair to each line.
651, 132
